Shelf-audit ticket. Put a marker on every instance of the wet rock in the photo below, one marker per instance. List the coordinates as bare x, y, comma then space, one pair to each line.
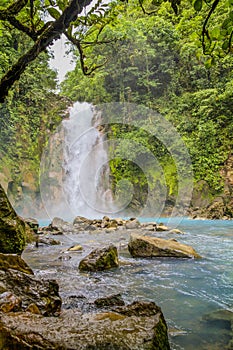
59, 224
49, 230
150, 227
65, 257
75, 248
132, 224
48, 241
100, 259
112, 224
43, 293
176, 231
80, 220
132, 329
9, 302
32, 223
162, 227
15, 262
139, 308
120, 222
144, 246
112, 300
224, 320
33, 308
90, 228
12, 228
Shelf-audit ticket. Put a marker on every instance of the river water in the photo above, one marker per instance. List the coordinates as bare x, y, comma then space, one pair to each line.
187, 290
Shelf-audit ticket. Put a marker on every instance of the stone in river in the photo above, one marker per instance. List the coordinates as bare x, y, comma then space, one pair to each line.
132, 224
111, 300
100, 259
145, 247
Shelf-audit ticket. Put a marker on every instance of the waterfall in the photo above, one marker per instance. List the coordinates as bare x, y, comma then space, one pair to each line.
86, 184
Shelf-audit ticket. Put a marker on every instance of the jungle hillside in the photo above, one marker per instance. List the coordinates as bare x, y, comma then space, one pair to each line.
174, 57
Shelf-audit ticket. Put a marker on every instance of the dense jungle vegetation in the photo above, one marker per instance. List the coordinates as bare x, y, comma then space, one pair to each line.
157, 60
143, 52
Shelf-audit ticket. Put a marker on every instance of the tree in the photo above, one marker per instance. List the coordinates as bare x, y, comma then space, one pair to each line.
42, 33
32, 17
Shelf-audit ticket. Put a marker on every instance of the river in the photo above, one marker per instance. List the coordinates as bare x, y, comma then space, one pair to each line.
187, 290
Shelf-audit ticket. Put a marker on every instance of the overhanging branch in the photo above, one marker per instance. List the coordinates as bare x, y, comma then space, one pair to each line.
52, 33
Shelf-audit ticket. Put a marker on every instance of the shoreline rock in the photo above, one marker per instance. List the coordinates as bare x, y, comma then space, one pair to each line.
138, 326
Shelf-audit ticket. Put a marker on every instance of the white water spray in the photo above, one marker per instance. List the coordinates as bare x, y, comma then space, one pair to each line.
85, 184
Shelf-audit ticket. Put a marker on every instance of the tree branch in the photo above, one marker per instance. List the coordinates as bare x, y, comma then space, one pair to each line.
85, 69
18, 25
205, 32
13, 9
48, 36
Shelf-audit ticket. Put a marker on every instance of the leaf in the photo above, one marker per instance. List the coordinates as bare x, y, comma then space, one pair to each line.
231, 15
54, 12
62, 5
198, 5
215, 33
225, 45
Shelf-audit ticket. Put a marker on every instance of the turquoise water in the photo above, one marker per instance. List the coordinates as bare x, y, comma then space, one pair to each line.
187, 290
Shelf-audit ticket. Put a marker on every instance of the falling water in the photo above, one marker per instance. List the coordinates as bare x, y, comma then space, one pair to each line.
86, 182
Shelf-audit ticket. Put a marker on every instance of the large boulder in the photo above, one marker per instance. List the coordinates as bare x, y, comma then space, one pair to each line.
12, 227
100, 259
144, 247
139, 326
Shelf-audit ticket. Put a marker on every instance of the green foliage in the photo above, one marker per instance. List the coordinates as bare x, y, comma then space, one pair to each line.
29, 116
157, 61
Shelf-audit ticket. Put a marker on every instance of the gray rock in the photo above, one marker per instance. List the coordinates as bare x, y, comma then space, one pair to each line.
59, 224
132, 224
48, 241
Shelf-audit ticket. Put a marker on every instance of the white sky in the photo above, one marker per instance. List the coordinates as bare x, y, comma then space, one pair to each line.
62, 62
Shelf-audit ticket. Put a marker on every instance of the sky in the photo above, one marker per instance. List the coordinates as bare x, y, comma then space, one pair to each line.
62, 61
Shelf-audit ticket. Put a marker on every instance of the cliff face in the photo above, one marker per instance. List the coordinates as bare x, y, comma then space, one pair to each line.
215, 206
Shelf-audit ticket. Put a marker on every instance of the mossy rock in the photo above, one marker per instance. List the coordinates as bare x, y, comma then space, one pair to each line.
100, 259
12, 228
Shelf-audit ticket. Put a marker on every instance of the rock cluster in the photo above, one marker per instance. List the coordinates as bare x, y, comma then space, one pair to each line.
105, 324
21, 291
82, 224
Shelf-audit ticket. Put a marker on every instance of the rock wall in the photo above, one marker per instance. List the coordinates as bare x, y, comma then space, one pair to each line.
215, 206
